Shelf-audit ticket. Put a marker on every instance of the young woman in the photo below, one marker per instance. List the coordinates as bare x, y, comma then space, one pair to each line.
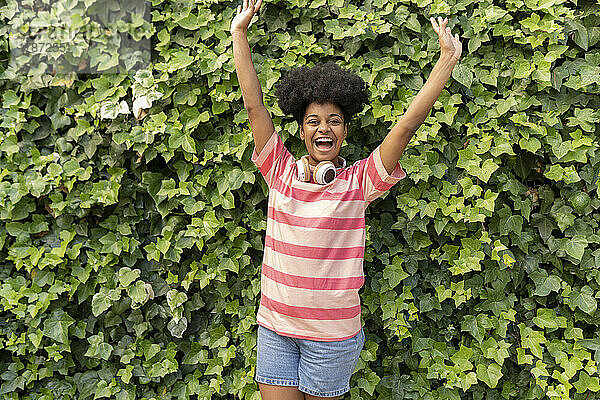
310, 334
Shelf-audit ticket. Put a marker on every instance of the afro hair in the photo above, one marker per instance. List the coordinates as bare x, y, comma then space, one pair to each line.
323, 83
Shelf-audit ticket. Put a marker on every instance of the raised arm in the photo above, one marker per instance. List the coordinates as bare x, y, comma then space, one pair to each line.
260, 120
396, 141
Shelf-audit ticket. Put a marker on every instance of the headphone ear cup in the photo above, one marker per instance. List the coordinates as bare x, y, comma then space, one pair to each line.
324, 172
303, 169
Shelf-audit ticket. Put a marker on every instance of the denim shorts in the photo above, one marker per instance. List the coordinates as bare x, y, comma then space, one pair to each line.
318, 368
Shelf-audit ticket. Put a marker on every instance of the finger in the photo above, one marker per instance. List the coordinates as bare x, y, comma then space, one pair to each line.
239, 9
433, 24
437, 26
245, 5
443, 23
257, 6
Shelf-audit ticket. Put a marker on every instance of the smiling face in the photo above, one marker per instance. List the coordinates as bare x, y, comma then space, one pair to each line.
323, 131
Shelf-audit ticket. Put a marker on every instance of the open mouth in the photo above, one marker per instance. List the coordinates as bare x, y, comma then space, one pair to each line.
324, 143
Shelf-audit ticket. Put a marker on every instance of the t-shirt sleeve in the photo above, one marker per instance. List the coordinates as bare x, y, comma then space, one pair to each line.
273, 159
375, 179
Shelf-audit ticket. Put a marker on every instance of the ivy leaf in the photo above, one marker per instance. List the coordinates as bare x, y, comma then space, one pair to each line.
236, 177
149, 349
522, 68
468, 160
17, 229
547, 318
154, 182
394, 273
544, 225
190, 118
523, 358
177, 328
468, 380
10, 145
487, 169
126, 373
489, 374
211, 224
463, 75
583, 299
137, 292
461, 358
545, 284
175, 298
571, 365
369, 383
488, 202
218, 337
575, 246
57, 326
180, 59
474, 326
469, 189
539, 369
189, 22
532, 340
586, 383
98, 348
530, 144
100, 303
196, 355
555, 172
214, 367
111, 109
126, 276
581, 37
514, 223
571, 175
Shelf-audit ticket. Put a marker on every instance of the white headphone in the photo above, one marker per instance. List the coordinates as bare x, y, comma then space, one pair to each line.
324, 172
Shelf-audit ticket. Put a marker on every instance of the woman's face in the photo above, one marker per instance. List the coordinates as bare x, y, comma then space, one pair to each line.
323, 131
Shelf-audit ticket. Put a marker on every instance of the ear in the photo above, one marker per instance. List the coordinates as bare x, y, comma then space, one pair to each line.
301, 132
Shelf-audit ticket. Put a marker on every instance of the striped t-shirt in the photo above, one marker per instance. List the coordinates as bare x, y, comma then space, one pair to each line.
314, 244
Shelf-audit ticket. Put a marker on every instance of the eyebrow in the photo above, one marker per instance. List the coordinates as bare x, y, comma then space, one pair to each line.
331, 115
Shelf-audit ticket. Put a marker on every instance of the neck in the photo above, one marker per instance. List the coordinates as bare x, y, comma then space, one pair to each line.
337, 161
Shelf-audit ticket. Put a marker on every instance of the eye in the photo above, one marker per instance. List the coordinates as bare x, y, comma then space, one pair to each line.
335, 122
312, 122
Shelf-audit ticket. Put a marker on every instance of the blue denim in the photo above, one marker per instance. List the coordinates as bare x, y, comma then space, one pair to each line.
318, 368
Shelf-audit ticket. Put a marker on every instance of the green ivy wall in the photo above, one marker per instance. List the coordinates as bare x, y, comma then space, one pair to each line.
130, 248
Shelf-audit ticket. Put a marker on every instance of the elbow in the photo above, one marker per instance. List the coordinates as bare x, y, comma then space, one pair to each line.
254, 109
251, 108
407, 127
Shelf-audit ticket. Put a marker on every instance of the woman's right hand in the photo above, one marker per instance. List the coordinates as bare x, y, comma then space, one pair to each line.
244, 15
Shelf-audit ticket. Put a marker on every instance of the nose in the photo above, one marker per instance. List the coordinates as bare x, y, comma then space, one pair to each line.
323, 126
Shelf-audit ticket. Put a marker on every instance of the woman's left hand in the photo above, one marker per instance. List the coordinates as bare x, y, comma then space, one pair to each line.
449, 44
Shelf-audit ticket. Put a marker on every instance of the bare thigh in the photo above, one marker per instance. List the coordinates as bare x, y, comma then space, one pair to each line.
273, 392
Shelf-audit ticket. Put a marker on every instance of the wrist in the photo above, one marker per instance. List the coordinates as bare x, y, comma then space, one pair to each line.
448, 58
239, 33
